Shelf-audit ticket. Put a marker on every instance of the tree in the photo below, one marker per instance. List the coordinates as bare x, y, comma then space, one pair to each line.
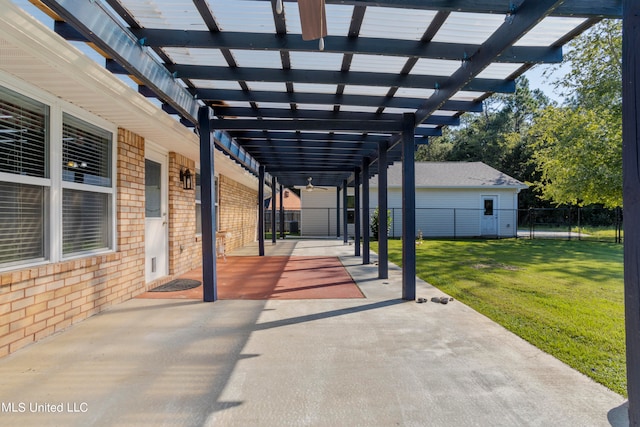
497, 136
578, 147
595, 79
577, 153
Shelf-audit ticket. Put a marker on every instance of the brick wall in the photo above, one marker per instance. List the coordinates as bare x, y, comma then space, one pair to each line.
238, 212
185, 252
37, 302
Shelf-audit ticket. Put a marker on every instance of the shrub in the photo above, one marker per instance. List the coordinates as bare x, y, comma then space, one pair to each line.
374, 223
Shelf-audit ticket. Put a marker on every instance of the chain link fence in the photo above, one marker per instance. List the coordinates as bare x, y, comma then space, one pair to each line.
587, 223
291, 221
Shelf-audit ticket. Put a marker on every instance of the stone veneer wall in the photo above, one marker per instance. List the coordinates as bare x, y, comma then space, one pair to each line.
39, 301
238, 212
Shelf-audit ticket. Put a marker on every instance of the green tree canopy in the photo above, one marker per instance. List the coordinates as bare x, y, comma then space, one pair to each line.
578, 156
578, 146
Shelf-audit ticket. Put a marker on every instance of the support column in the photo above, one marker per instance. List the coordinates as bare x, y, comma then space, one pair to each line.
261, 210
631, 197
273, 210
338, 212
408, 207
383, 217
281, 212
356, 211
366, 246
344, 213
207, 183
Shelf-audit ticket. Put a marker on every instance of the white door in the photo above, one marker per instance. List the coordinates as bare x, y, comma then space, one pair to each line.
489, 218
156, 230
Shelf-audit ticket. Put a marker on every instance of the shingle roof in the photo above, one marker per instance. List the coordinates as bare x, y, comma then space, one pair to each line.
452, 175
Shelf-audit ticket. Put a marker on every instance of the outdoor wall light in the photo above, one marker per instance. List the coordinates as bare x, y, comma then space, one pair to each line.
186, 179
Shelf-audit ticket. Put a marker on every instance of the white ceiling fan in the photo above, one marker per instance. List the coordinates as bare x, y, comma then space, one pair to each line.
311, 187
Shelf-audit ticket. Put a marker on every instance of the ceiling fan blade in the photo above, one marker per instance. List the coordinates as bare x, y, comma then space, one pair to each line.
313, 19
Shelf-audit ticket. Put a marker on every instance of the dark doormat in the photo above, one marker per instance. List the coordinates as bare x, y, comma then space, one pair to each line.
177, 285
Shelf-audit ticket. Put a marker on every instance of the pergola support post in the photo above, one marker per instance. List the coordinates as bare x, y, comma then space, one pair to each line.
338, 213
366, 247
631, 197
345, 230
356, 211
281, 212
408, 208
207, 183
261, 210
383, 216
273, 210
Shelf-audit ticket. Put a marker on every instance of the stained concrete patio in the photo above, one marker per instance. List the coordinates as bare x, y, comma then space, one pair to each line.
377, 361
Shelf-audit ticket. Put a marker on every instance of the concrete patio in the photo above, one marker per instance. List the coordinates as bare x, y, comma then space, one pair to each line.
374, 361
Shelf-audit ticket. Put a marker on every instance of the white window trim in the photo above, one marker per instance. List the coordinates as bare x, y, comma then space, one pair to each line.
53, 241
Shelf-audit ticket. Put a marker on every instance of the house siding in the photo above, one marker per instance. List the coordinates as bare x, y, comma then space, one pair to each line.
452, 212
318, 215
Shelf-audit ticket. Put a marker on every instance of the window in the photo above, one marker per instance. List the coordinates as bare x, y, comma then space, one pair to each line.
351, 212
24, 182
488, 207
86, 160
56, 187
86, 152
153, 189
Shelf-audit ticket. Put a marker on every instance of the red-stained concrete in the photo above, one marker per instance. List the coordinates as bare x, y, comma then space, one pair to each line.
274, 277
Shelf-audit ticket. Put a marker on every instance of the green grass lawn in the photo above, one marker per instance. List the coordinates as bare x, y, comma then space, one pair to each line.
565, 297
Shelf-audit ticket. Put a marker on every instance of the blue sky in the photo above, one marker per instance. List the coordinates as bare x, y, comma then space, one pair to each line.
537, 80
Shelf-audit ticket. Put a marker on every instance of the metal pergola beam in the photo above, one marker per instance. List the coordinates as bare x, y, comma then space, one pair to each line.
329, 137
340, 146
210, 72
337, 44
311, 125
322, 99
95, 23
523, 19
282, 113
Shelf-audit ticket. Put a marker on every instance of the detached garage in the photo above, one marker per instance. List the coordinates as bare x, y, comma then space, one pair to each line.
455, 199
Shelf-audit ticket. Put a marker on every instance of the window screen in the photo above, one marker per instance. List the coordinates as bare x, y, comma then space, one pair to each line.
86, 219
23, 224
86, 152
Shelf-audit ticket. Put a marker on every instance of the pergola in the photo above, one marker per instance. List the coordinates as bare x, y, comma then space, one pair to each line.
338, 91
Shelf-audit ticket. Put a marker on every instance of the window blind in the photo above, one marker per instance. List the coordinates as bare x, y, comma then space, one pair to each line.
23, 135
85, 221
22, 229
86, 152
